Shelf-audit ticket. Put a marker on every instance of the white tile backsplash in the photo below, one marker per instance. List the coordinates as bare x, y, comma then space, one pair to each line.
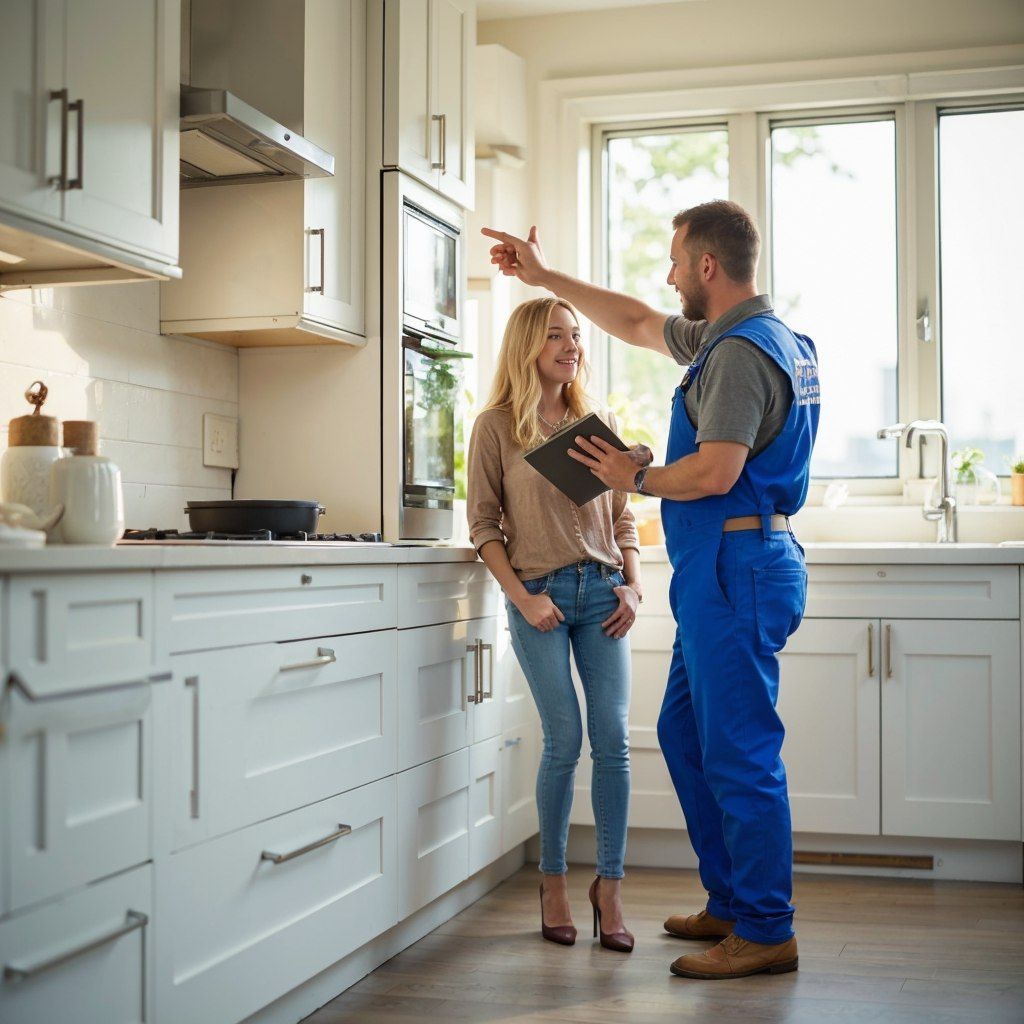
99, 351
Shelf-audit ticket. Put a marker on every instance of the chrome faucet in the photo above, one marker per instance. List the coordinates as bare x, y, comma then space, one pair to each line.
944, 514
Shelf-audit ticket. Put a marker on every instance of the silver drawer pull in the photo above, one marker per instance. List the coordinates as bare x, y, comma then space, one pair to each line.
324, 656
487, 694
515, 742
474, 649
18, 972
280, 858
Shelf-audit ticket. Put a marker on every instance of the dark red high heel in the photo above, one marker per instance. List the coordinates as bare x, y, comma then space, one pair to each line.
621, 942
563, 934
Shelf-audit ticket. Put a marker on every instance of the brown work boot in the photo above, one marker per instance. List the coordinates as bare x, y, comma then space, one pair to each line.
698, 926
737, 958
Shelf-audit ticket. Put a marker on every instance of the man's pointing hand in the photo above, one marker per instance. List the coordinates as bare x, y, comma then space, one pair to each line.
517, 257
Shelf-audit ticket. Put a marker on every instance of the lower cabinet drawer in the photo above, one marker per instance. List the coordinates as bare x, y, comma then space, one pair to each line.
258, 731
432, 593
79, 790
86, 958
253, 914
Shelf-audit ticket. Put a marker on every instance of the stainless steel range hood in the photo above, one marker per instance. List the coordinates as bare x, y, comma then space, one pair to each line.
224, 141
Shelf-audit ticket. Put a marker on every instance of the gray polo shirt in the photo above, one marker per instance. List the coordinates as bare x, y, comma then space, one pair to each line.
741, 394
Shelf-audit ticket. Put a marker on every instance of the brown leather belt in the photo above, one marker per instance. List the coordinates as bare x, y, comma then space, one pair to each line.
753, 523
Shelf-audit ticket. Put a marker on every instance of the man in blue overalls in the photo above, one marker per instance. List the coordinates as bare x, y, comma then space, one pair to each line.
743, 425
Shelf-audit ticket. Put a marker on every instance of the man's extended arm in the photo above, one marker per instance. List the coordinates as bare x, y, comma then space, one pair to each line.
620, 315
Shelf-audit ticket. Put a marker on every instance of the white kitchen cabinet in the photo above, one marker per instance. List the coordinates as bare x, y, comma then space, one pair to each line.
283, 262
829, 704
447, 696
520, 751
485, 779
87, 957
75, 631
88, 159
77, 774
261, 730
428, 101
430, 593
951, 741
250, 915
433, 830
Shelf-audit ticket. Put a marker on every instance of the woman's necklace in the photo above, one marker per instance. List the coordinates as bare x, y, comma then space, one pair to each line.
553, 426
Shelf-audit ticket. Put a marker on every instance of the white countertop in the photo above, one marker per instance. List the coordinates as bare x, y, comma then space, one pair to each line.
231, 555
79, 558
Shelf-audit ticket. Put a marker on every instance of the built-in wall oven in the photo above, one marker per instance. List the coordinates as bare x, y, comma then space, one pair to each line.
422, 329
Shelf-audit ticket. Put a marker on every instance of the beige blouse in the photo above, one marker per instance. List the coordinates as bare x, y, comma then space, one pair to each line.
508, 500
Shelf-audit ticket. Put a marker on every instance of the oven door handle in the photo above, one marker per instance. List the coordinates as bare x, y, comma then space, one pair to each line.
437, 351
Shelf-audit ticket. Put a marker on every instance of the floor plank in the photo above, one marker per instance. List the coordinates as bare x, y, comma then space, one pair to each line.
872, 951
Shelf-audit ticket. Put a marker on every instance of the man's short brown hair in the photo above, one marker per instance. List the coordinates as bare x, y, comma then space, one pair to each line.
725, 230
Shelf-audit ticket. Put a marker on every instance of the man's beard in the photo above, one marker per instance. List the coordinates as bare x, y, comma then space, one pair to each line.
695, 302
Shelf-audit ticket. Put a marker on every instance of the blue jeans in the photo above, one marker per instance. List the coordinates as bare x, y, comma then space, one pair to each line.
583, 593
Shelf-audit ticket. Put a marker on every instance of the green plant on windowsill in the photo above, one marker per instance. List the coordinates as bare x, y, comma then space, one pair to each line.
966, 461
1017, 480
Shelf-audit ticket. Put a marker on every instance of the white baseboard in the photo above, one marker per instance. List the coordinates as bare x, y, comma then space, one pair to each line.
314, 993
955, 859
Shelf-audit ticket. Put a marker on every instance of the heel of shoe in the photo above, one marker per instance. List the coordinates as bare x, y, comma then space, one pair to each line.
784, 968
597, 921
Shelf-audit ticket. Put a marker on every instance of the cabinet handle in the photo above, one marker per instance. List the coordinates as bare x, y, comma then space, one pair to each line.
474, 649
489, 648
61, 179
888, 652
871, 651
192, 683
514, 743
324, 656
280, 858
441, 165
79, 108
17, 972
321, 232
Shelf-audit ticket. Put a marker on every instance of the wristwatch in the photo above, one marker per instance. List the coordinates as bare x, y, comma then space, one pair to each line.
638, 481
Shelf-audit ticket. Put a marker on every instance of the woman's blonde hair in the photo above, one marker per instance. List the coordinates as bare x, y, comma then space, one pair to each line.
516, 387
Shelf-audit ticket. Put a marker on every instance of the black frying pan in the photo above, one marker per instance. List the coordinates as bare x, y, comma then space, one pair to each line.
249, 515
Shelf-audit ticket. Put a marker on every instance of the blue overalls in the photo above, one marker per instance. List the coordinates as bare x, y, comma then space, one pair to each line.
736, 597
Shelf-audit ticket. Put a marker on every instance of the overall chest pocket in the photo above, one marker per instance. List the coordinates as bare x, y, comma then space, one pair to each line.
779, 599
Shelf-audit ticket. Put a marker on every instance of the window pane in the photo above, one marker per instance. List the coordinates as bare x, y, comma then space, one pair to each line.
833, 253
981, 219
650, 179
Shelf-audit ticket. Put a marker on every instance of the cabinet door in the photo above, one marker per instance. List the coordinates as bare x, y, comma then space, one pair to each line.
485, 764
335, 116
79, 789
409, 130
88, 957
518, 707
485, 715
31, 66
951, 729
433, 830
453, 39
520, 749
123, 139
828, 701
262, 730
436, 674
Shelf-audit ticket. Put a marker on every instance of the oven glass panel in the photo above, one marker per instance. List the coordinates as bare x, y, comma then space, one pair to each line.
432, 387
430, 269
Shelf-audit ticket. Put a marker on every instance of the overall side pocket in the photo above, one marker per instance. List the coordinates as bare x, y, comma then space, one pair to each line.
779, 599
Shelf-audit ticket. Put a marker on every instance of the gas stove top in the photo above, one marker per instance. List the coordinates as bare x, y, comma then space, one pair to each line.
155, 536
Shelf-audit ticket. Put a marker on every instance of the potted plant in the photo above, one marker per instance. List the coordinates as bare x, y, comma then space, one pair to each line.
633, 429
1017, 480
966, 463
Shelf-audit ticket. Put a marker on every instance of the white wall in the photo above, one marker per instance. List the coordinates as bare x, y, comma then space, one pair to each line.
99, 351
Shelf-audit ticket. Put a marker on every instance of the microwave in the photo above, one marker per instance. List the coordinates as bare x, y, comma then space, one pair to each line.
431, 274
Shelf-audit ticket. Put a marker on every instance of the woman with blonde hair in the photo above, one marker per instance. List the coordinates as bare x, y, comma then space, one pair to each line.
571, 576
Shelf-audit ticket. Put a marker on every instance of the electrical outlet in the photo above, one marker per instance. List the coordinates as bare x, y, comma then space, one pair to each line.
220, 441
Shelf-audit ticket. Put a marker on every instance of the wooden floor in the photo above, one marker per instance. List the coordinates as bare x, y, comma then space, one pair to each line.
888, 951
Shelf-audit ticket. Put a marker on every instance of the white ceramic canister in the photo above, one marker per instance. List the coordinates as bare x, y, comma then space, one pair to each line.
88, 485
33, 447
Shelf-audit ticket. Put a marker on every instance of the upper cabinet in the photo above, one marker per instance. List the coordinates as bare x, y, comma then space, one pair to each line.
88, 141
428, 112
282, 262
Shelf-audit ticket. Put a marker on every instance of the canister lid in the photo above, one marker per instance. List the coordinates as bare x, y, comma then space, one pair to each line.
34, 430
82, 436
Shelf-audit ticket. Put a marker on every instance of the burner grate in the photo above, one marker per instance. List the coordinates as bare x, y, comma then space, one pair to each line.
154, 534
